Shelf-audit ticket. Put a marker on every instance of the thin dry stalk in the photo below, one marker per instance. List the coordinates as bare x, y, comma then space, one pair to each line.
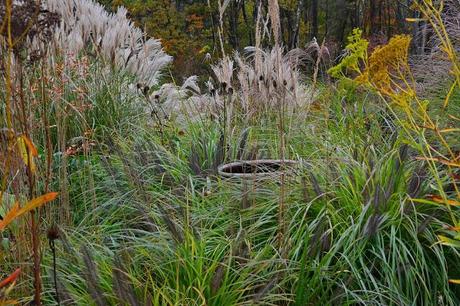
274, 13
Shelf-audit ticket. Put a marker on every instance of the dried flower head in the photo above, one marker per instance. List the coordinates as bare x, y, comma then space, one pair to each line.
28, 21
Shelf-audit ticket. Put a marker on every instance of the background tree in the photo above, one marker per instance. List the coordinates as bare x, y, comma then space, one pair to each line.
188, 28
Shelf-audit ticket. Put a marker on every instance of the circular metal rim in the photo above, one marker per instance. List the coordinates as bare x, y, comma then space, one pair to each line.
288, 162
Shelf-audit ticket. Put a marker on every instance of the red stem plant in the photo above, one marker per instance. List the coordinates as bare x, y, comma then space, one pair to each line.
18, 168
44, 73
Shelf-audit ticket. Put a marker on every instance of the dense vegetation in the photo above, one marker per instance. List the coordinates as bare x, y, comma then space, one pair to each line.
112, 141
189, 30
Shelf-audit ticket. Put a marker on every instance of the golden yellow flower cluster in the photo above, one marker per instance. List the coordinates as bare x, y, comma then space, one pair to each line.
387, 67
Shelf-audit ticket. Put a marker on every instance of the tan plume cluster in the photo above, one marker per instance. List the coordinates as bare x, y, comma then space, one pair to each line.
86, 24
247, 87
271, 80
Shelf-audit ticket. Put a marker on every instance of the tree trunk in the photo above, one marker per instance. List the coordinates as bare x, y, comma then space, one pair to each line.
314, 18
423, 38
341, 17
233, 25
372, 17
295, 36
255, 14
400, 17
248, 25
388, 20
326, 25
284, 18
355, 21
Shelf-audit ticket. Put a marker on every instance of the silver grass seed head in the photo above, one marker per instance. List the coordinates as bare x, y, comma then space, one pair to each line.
86, 23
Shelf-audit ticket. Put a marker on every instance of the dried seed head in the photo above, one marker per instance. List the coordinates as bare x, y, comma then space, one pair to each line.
146, 90
53, 232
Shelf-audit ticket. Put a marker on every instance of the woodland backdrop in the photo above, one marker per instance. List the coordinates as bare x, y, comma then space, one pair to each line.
188, 28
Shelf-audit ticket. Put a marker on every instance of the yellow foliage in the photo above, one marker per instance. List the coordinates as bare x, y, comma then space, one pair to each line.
387, 67
27, 151
356, 56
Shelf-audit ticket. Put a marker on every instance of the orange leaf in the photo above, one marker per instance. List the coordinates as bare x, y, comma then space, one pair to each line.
440, 200
37, 202
454, 281
16, 212
10, 279
10, 216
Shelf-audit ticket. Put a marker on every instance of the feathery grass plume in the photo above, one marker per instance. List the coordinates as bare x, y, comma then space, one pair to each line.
170, 100
86, 23
224, 73
64, 295
122, 285
258, 37
322, 54
276, 76
92, 278
247, 85
263, 79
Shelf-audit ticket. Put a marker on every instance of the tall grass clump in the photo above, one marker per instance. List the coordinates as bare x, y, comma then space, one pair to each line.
353, 234
429, 125
20, 191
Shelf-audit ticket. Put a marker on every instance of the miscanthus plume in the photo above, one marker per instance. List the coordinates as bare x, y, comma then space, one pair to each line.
86, 24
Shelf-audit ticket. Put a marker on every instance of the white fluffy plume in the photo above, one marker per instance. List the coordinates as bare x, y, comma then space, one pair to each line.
86, 23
